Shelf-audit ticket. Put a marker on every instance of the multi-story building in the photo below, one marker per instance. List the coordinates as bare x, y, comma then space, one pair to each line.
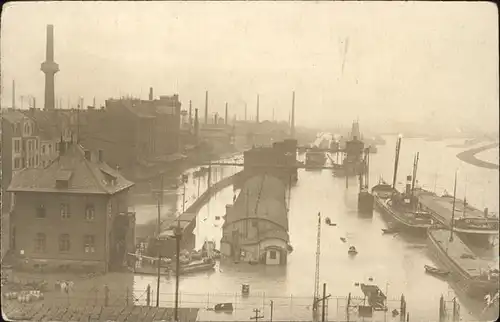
137, 133
20, 149
52, 125
72, 214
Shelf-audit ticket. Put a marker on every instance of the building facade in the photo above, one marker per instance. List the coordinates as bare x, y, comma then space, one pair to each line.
136, 133
256, 225
72, 214
20, 149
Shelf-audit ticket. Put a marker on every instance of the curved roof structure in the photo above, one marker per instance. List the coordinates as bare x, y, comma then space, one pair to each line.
262, 196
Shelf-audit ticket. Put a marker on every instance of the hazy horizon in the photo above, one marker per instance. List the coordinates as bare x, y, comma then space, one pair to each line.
432, 63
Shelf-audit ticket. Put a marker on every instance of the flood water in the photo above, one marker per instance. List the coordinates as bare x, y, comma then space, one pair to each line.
395, 263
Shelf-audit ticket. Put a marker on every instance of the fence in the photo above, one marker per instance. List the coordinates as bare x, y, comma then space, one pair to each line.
285, 308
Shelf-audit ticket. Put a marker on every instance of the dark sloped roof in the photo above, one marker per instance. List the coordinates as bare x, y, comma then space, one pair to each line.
262, 196
12, 116
84, 176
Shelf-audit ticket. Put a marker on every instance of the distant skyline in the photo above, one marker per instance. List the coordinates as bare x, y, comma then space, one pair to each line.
433, 63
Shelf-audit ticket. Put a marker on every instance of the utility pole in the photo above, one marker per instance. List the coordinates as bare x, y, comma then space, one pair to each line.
272, 308
316, 273
257, 316
160, 202
178, 236
325, 297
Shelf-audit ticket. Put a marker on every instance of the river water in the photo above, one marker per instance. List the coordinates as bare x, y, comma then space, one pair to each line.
394, 263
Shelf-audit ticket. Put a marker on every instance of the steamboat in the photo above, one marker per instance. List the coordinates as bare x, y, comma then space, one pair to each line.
402, 208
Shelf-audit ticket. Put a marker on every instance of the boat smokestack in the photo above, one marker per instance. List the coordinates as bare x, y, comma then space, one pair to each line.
408, 185
485, 212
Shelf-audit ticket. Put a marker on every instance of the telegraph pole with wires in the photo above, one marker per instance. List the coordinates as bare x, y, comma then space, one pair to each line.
160, 203
178, 237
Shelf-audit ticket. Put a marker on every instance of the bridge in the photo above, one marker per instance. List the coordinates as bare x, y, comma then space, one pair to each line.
297, 166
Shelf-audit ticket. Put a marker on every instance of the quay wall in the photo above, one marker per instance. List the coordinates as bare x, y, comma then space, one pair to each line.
205, 196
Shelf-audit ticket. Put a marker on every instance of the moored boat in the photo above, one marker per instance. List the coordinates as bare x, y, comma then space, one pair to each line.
402, 208
435, 271
477, 276
315, 159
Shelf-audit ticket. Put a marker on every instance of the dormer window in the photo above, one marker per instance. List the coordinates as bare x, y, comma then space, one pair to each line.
62, 184
109, 179
62, 179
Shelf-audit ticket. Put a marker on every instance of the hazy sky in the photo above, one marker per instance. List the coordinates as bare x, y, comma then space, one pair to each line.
433, 62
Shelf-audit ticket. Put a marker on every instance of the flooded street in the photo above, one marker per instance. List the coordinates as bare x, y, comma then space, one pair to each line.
395, 263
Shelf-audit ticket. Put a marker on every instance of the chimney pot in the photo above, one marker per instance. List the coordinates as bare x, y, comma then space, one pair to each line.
87, 155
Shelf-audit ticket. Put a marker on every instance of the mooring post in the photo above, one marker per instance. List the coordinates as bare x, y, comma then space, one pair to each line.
106, 295
148, 295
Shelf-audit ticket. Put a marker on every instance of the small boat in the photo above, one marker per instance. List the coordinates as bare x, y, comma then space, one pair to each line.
352, 250
435, 271
389, 230
329, 222
224, 307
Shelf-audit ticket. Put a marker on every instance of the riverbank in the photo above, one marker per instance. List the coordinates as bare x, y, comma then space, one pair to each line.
469, 156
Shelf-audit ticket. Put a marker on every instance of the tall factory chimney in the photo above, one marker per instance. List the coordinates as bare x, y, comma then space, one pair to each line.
49, 68
13, 94
206, 107
292, 121
190, 114
245, 112
226, 116
257, 117
196, 124
151, 93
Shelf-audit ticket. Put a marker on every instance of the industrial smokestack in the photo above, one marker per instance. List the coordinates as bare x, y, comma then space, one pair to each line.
190, 114
151, 93
245, 112
93, 103
206, 107
292, 121
13, 94
226, 116
215, 118
257, 116
49, 68
196, 124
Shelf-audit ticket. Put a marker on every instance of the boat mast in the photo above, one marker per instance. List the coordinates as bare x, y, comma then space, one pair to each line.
396, 161
415, 165
465, 197
453, 209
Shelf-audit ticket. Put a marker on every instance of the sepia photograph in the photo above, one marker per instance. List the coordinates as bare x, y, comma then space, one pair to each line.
185, 161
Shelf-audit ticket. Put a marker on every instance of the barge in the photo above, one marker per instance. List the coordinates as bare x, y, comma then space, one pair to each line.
478, 277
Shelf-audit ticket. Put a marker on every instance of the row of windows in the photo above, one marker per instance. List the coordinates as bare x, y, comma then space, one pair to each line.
31, 162
32, 145
64, 243
65, 213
